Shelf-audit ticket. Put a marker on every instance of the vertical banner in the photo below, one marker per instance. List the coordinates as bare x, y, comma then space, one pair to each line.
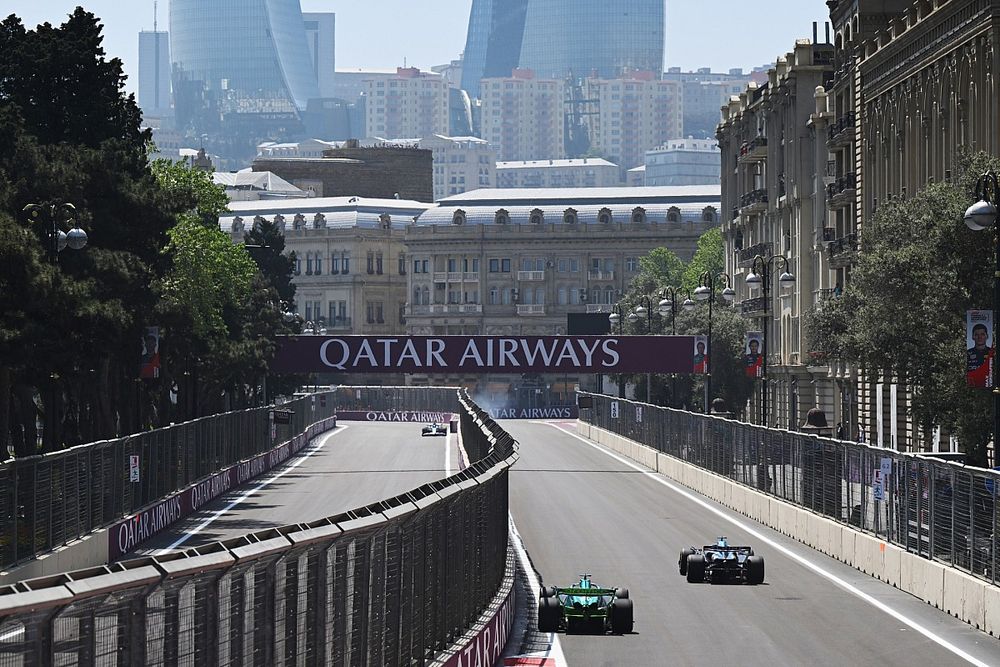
979, 341
701, 360
753, 354
879, 424
149, 368
893, 414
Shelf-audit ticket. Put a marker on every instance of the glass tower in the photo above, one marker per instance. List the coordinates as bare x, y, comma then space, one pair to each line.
241, 71
586, 36
493, 44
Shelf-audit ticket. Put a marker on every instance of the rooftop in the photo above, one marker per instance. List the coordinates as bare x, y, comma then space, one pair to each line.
552, 164
571, 196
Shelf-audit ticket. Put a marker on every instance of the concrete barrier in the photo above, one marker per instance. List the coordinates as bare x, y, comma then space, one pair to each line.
972, 600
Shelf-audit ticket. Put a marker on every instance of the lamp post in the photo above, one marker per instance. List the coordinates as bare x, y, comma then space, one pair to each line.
978, 217
760, 276
668, 305
55, 217
706, 292
645, 309
616, 317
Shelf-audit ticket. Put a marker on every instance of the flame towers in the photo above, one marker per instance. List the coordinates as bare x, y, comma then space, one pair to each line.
241, 70
558, 37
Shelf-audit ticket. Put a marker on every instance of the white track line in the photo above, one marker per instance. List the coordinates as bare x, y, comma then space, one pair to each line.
284, 471
555, 648
802, 560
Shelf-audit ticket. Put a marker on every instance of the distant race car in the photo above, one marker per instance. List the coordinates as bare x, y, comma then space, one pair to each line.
720, 563
434, 429
584, 604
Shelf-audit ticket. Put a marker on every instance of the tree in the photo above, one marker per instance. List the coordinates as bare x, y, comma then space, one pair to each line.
266, 244
709, 258
903, 314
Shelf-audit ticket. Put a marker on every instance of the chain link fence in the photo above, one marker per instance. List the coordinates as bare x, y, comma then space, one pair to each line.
940, 510
393, 583
49, 500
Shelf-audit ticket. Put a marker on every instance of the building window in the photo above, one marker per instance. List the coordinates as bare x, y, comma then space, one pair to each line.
370, 264
632, 264
402, 265
452, 265
502, 217
309, 263
536, 217
298, 265
506, 296
505, 265
334, 263
345, 261
708, 215
604, 216
458, 218
378, 263
674, 214
569, 216
494, 266
563, 296
494, 296
638, 215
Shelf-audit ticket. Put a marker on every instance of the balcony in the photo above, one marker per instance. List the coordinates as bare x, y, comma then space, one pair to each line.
531, 276
753, 151
601, 275
531, 309
753, 202
841, 192
339, 324
744, 258
841, 132
456, 308
599, 308
843, 251
470, 277
440, 277
753, 307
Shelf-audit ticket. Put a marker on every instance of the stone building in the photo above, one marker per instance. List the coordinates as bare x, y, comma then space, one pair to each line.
517, 262
356, 171
351, 261
774, 197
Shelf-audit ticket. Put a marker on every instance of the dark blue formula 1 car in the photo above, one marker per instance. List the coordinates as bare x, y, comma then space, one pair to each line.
721, 563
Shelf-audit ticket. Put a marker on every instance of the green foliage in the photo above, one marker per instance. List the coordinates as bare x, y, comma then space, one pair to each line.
708, 258
266, 244
903, 312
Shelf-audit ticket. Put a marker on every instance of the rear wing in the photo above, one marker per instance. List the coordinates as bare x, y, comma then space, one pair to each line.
585, 592
728, 547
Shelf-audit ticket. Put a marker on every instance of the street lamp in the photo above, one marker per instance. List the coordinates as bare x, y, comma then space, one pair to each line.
645, 309
978, 217
668, 306
760, 276
56, 216
616, 317
706, 292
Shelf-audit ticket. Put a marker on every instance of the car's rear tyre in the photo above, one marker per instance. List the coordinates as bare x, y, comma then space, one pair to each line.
696, 568
682, 562
621, 616
755, 570
546, 592
621, 593
548, 615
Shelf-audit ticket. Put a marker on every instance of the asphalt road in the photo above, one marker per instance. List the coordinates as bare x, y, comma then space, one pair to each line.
578, 509
352, 466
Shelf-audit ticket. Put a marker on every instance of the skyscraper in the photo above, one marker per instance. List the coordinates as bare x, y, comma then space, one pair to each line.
320, 36
241, 71
588, 36
493, 44
154, 73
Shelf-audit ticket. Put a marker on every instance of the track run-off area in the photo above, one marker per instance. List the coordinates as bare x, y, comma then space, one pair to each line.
580, 508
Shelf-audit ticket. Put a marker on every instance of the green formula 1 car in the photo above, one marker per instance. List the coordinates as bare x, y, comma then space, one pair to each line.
584, 604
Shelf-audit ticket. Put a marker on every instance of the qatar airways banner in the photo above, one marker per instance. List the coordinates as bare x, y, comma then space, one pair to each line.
485, 354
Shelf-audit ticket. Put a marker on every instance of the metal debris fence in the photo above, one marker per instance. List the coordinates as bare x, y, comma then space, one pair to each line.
937, 509
393, 583
51, 499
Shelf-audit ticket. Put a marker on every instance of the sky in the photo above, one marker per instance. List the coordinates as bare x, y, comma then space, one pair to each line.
380, 34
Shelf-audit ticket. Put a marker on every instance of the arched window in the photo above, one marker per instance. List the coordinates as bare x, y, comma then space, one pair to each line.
604, 216
638, 215
708, 214
502, 217
569, 216
458, 217
537, 217
416, 295
494, 296
673, 214
319, 221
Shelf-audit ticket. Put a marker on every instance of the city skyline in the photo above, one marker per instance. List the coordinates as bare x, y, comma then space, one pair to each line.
772, 31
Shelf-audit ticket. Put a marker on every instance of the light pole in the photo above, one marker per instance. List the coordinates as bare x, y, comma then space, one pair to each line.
645, 309
760, 276
706, 292
616, 317
669, 305
53, 217
978, 217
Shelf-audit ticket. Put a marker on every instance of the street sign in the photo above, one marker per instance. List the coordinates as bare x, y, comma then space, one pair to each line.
133, 468
886, 466
878, 488
638, 414
614, 409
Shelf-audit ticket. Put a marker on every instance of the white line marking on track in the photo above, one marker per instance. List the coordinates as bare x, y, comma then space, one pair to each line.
555, 648
306, 454
850, 588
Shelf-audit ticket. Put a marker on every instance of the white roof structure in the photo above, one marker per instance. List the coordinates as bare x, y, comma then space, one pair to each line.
552, 164
332, 212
